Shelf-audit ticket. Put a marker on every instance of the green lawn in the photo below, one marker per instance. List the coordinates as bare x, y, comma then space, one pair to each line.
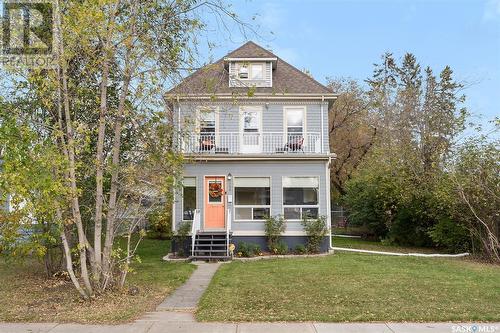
34, 298
357, 243
353, 287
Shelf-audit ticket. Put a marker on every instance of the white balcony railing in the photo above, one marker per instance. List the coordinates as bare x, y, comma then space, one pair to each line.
251, 143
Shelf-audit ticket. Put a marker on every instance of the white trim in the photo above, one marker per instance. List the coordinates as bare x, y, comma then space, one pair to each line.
328, 201
250, 59
244, 96
259, 157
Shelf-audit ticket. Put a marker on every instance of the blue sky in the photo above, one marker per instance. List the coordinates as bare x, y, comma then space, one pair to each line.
345, 38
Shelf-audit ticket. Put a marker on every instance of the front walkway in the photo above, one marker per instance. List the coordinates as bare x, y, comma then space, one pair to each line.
186, 297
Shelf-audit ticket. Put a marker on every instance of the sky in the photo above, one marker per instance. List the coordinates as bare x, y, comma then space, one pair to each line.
345, 38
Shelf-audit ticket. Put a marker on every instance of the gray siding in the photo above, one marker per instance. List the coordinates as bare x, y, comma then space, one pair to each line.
272, 117
273, 169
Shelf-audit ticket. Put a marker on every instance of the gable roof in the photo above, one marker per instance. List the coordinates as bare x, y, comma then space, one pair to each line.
214, 78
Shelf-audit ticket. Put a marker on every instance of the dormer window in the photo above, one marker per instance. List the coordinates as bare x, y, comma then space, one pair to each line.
248, 72
243, 72
257, 71
252, 71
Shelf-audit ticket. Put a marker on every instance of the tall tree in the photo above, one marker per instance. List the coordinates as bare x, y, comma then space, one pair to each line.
351, 131
103, 111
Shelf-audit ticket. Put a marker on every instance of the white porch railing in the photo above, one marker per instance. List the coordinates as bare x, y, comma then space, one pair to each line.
252, 143
195, 227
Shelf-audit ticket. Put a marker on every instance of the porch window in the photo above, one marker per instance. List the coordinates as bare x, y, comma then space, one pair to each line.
252, 200
300, 197
188, 198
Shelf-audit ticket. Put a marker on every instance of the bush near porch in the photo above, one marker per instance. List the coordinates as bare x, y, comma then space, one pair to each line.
353, 287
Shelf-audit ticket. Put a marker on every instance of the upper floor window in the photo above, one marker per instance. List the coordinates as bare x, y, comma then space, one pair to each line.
294, 118
207, 121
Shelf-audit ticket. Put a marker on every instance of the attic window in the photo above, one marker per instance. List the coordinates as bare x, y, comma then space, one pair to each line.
252, 71
257, 71
243, 72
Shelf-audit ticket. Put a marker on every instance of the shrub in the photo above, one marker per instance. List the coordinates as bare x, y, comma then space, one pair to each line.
181, 235
450, 235
316, 230
300, 249
281, 248
160, 223
248, 249
274, 227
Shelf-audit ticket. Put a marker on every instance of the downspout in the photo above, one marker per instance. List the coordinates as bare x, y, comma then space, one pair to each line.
178, 141
329, 203
322, 131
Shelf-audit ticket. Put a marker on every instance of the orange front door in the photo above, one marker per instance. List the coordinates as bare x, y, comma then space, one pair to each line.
215, 198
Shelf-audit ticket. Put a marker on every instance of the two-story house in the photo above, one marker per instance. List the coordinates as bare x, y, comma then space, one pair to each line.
254, 131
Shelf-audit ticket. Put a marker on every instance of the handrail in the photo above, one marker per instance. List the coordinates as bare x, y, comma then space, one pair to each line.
228, 230
195, 227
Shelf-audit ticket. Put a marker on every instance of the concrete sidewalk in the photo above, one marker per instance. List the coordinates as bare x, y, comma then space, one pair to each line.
178, 322
187, 296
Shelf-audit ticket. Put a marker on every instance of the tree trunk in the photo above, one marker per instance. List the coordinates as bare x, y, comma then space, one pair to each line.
75, 205
115, 170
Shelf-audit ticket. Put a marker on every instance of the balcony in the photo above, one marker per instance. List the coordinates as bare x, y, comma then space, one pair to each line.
252, 143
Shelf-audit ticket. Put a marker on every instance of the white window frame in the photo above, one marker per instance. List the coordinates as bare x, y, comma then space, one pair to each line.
249, 66
235, 206
199, 111
304, 122
250, 72
283, 206
195, 197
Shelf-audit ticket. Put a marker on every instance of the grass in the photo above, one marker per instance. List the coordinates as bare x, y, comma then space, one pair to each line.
34, 298
357, 243
353, 287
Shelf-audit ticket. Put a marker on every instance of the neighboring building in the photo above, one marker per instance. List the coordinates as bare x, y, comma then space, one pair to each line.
254, 130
